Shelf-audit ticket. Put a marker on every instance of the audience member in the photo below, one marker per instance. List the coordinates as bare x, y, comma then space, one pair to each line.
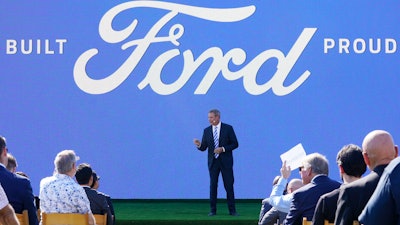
314, 173
265, 206
378, 151
60, 193
98, 202
280, 198
351, 167
384, 205
17, 188
95, 185
12, 163
7, 214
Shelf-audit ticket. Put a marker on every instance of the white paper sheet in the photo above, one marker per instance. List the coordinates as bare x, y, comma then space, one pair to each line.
294, 156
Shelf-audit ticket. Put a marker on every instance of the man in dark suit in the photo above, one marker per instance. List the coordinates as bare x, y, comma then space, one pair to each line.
378, 151
314, 173
98, 202
17, 187
351, 167
384, 205
220, 140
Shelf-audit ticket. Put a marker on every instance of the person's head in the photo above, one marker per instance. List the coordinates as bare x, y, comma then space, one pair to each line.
11, 163
351, 162
65, 162
214, 116
83, 174
378, 148
313, 165
294, 184
95, 183
3, 151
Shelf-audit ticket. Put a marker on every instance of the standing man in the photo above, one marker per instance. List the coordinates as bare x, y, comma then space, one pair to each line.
220, 140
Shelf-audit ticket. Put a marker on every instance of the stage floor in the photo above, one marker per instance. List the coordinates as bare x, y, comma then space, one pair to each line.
191, 211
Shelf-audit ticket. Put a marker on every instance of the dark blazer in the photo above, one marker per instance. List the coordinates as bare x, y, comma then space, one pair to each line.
227, 139
384, 205
305, 199
98, 203
19, 193
354, 196
326, 208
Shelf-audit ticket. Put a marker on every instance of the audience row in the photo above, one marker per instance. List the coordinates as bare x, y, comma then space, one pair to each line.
319, 198
71, 189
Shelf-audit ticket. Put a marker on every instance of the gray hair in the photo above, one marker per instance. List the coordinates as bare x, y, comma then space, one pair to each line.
317, 162
64, 161
216, 112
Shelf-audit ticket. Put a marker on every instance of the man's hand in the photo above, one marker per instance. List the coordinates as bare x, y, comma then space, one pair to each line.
197, 142
285, 170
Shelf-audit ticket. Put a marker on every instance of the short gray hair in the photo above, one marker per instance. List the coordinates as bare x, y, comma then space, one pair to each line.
317, 162
216, 112
64, 161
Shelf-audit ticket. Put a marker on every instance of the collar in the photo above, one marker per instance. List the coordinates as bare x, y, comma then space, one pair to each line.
218, 125
316, 177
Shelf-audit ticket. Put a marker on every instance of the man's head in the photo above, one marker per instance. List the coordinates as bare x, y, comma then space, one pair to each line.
351, 162
378, 148
65, 162
11, 163
95, 183
313, 165
84, 174
294, 184
214, 117
3, 151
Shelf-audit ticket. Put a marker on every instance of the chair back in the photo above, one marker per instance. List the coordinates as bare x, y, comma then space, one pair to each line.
23, 217
326, 222
65, 219
100, 219
306, 222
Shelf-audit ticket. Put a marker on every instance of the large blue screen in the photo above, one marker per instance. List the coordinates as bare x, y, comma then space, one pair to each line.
128, 85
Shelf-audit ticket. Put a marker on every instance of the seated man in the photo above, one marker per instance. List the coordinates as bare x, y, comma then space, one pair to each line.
17, 188
60, 193
277, 199
281, 197
7, 214
265, 206
314, 173
384, 205
351, 167
95, 185
98, 202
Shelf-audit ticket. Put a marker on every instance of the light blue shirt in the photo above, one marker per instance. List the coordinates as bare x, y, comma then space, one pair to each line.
277, 199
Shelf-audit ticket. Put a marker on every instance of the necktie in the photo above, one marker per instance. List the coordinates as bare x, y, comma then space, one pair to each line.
216, 141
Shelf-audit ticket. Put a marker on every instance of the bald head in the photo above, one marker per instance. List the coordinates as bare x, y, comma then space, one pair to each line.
378, 148
294, 184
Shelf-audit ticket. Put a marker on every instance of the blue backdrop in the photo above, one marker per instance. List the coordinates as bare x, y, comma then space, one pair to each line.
128, 84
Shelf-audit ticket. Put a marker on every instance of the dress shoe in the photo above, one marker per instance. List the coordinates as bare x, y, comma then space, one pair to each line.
212, 214
233, 214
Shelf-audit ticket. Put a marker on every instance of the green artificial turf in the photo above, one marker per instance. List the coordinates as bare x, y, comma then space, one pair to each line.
195, 212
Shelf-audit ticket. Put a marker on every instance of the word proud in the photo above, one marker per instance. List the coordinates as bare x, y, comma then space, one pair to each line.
220, 61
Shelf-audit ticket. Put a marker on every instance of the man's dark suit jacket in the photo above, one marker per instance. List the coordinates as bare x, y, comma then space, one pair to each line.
227, 139
384, 205
305, 199
326, 208
98, 204
19, 193
354, 196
